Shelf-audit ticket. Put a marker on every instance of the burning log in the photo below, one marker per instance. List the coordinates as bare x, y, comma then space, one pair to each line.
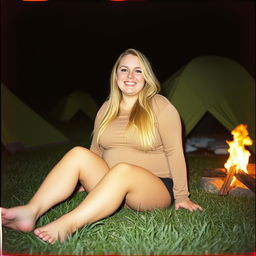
251, 170
246, 179
227, 182
222, 172
213, 179
215, 172
238, 160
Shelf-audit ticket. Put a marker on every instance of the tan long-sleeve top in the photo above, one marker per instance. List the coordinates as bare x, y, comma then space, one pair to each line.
118, 145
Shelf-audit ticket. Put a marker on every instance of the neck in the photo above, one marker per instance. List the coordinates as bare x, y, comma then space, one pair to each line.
128, 102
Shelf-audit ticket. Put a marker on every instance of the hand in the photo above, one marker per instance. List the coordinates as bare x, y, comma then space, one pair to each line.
189, 205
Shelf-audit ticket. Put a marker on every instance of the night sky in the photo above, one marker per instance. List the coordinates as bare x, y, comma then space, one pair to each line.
50, 49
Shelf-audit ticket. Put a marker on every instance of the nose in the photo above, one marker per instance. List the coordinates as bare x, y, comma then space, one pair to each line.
130, 74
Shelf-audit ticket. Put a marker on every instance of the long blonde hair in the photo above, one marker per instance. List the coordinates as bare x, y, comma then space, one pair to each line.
141, 115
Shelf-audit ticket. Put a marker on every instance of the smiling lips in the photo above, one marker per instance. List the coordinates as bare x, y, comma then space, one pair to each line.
130, 83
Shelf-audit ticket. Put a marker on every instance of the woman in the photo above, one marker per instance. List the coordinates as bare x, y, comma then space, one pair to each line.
136, 153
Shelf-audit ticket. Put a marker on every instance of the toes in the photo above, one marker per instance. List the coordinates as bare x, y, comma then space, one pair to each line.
3, 211
37, 232
51, 241
8, 215
44, 236
41, 234
18, 218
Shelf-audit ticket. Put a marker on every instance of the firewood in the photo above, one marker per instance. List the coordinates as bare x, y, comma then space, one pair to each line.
226, 185
222, 172
251, 170
246, 179
216, 172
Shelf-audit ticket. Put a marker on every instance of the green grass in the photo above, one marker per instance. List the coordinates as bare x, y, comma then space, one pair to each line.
227, 226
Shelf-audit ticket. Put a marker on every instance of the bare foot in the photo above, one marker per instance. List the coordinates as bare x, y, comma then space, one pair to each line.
59, 230
21, 218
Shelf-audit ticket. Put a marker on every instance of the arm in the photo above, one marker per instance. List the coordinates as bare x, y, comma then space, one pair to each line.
170, 130
95, 147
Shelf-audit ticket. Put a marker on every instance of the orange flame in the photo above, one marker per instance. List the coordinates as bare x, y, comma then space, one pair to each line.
238, 155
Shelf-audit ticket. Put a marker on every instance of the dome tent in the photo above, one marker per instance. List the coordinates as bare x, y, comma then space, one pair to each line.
23, 128
217, 85
76, 101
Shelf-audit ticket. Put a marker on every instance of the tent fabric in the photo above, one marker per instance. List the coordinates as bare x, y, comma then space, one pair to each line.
73, 103
215, 84
21, 127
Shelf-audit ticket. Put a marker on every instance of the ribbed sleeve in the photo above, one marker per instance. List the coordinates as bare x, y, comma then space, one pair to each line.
170, 130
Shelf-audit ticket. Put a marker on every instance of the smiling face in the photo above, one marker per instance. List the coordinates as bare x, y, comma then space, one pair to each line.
130, 78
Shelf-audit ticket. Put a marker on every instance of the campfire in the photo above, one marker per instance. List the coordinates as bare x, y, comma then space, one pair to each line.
237, 171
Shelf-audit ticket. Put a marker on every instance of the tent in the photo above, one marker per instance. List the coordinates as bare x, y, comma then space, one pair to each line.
215, 84
73, 103
23, 128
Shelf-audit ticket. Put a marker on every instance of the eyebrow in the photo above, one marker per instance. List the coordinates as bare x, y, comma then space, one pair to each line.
127, 66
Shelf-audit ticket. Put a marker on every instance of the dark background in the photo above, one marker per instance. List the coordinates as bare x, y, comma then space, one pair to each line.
50, 49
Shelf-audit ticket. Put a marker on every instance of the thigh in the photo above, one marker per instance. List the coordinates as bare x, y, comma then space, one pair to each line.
147, 191
92, 168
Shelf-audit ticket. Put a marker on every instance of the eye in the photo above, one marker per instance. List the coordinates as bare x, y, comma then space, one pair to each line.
139, 71
123, 69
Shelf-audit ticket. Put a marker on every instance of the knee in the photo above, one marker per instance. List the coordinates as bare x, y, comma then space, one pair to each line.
79, 152
123, 168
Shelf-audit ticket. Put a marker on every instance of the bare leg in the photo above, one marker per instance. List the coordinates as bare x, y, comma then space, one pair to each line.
78, 164
141, 190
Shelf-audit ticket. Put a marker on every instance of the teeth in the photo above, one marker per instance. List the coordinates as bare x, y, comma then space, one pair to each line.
129, 83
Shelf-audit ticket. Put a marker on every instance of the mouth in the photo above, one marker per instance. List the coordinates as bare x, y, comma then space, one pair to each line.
130, 83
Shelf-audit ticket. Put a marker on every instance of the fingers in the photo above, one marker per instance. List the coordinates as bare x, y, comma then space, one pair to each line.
189, 205
200, 208
192, 208
177, 207
196, 207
